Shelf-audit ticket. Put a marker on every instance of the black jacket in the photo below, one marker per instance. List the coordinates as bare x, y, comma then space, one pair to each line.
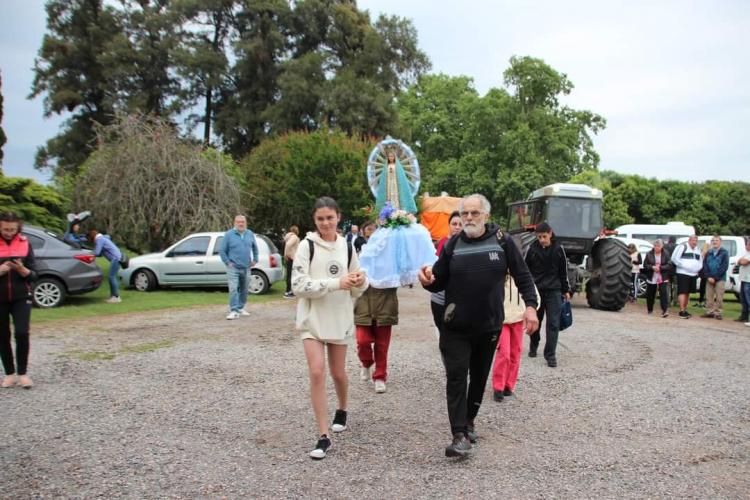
667, 268
472, 272
549, 266
13, 286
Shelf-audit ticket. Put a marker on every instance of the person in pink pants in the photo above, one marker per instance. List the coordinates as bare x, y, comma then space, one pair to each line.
508, 355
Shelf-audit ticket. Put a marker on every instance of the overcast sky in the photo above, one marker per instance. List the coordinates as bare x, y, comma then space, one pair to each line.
672, 78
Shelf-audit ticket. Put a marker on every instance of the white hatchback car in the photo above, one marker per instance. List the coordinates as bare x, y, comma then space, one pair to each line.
195, 261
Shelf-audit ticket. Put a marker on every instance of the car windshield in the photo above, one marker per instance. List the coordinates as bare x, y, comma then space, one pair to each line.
573, 217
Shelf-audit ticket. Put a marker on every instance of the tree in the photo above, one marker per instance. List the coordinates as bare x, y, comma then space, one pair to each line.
289, 172
69, 71
34, 203
503, 144
149, 188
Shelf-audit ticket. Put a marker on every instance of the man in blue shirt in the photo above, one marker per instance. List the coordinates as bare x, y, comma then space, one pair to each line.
715, 267
239, 252
103, 245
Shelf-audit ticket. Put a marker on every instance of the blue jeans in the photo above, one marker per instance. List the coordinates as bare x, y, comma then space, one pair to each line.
745, 299
237, 279
114, 282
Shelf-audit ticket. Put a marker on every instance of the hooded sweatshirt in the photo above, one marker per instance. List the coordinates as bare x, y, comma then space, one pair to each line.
513, 303
688, 261
324, 309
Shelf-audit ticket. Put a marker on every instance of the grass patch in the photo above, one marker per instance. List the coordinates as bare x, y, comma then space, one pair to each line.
109, 355
93, 304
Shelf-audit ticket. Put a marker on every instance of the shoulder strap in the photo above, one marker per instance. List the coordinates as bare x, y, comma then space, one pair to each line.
312, 248
501, 240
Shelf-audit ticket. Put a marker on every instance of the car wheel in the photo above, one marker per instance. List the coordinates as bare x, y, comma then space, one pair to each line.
144, 280
48, 292
258, 282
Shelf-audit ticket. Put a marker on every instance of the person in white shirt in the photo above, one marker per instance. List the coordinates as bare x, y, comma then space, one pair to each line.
744, 263
326, 279
688, 261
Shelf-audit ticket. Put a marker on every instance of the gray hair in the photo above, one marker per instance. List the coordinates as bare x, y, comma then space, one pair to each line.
486, 207
659, 242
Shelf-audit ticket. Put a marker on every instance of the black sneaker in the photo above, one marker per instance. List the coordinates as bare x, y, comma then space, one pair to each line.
665, 314
288, 295
507, 392
324, 444
339, 421
552, 362
471, 432
532, 353
498, 396
460, 447
684, 315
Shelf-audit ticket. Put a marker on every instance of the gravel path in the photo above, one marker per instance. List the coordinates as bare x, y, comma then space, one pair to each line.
186, 404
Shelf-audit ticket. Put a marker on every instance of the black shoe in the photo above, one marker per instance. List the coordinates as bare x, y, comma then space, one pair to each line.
742, 319
507, 392
665, 314
471, 432
532, 353
460, 447
684, 315
339, 421
288, 295
552, 363
498, 396
321, 448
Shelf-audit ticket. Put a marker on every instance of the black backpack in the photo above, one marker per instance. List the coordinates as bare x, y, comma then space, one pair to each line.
349, 251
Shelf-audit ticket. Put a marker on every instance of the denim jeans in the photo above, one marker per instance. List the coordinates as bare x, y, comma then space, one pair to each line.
237, 279
745, 299
114, 282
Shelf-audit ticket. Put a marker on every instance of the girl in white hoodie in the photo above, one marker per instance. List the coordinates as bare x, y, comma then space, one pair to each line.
326, 286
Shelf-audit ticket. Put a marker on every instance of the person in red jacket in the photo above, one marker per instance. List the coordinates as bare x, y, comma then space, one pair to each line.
16, 277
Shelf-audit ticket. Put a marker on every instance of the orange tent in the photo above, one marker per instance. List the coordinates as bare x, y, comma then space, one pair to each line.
435, 213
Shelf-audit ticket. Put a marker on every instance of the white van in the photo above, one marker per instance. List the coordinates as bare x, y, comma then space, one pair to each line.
653, 232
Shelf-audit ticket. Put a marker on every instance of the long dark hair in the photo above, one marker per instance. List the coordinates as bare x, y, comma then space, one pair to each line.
455, 213
326, 202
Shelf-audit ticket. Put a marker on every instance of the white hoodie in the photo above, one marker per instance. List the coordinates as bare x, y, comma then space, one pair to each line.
325, 311
688, 260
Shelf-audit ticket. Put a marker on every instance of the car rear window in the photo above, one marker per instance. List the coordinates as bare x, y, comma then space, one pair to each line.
271, 247
36, 241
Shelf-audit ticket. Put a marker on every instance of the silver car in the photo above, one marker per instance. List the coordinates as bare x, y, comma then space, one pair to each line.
195, 261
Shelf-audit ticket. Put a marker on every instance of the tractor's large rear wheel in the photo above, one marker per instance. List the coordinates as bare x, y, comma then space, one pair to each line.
609, 284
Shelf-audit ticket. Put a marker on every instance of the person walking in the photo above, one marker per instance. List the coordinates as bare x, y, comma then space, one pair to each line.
291, 242
437, 299
239, 252
104, 246
658, 269
326, 279
16, 278
744, 265
548, 264
472, 269
688, 262
508, 356
715, 266
375, 313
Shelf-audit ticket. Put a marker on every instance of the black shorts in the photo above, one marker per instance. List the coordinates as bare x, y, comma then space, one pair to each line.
685, 284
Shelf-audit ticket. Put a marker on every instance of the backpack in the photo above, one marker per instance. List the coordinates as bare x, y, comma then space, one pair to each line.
451, 243
349, 252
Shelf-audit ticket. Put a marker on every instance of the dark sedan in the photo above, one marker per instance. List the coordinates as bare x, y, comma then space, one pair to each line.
62, 269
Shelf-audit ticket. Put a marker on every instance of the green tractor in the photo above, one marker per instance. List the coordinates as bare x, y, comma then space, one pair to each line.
596, 263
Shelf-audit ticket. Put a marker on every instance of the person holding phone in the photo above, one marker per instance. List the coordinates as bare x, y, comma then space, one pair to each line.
16, 277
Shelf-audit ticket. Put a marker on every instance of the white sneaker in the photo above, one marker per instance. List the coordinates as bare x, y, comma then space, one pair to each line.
233, 315
114, 300
364, 374
244, 313
747, 324
379, 386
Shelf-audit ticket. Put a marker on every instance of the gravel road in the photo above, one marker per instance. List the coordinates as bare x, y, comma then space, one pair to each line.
185, 404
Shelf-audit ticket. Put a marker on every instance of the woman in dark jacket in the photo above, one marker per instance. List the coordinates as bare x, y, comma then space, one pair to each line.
658, 269
16, 277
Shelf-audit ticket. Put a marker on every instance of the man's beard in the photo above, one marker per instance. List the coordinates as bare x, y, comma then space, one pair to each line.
473, 229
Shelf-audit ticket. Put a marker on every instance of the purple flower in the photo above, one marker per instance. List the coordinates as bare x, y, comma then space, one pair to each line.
386, 212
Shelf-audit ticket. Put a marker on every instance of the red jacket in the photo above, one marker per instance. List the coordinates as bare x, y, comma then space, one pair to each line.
13, 286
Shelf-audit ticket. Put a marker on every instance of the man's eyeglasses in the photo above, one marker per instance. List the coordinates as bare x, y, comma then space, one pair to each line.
474, 214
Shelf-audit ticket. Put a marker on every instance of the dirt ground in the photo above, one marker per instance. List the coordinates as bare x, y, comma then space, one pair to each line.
183, 403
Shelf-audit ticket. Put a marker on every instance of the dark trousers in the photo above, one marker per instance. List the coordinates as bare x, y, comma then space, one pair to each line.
745, 299
20, 310
438, 310
466, 353
663, 296
551, 305
702, 288
289, 264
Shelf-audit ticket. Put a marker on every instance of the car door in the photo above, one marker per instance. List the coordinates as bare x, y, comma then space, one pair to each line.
216, 271
185, 263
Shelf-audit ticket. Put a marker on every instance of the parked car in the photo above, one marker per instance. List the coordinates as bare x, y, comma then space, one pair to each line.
195, 261
62, 269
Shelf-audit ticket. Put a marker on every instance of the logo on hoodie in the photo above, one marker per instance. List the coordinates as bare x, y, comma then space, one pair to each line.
333, 268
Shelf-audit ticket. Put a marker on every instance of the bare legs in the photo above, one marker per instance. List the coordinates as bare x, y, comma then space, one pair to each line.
315, 353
